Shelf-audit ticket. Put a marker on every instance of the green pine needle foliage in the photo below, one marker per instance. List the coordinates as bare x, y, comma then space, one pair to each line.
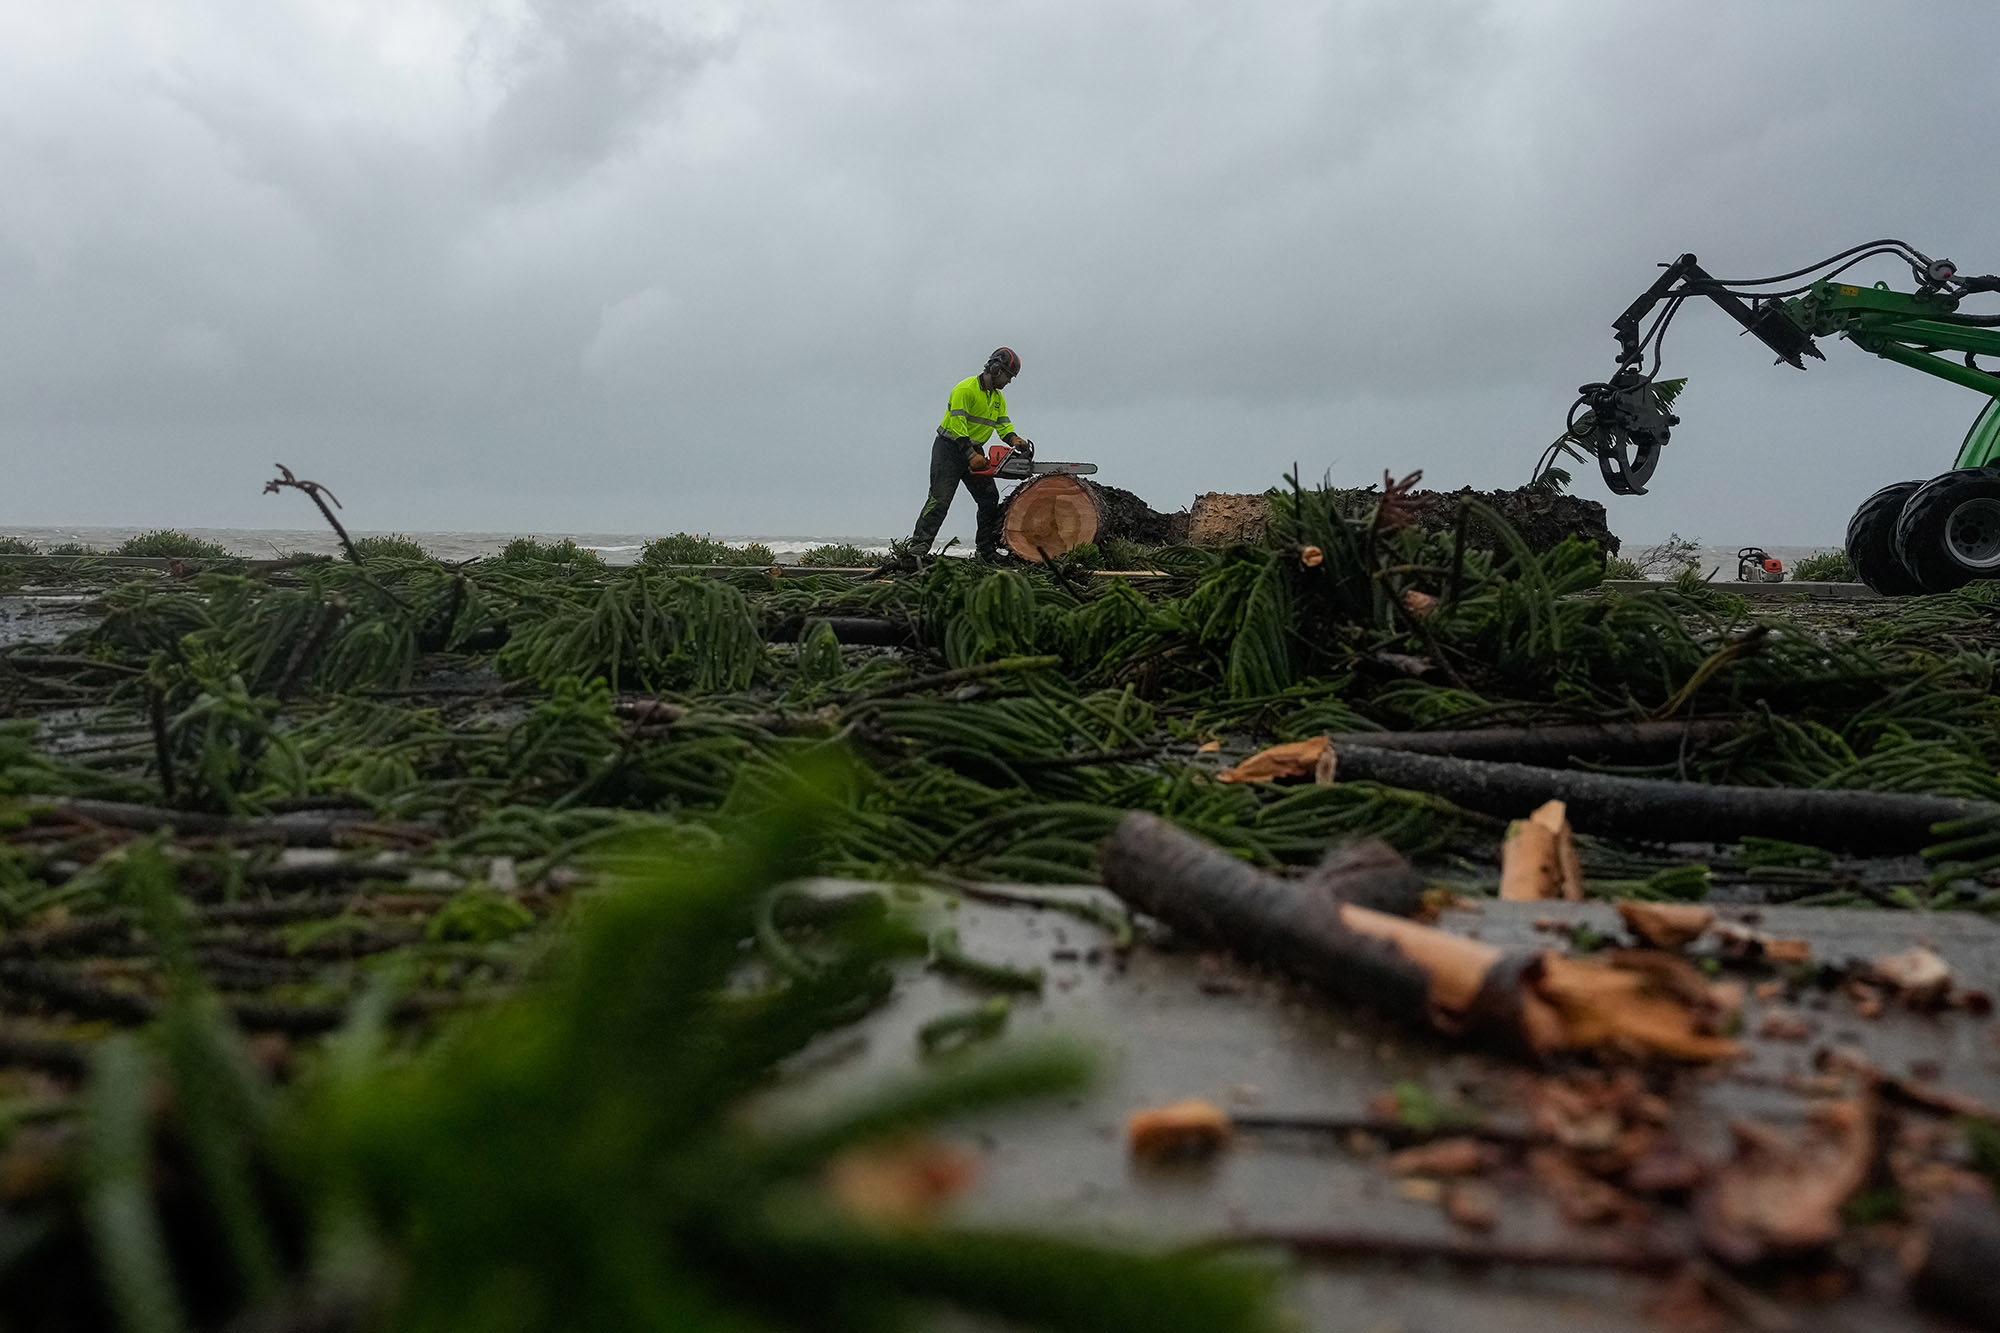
1829, 566
172, 543
391, 546
576, 1157
843, 555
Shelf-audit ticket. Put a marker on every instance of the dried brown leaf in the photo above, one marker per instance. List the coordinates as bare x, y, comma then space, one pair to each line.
1779, 1195
1579, 1196
1459, 1156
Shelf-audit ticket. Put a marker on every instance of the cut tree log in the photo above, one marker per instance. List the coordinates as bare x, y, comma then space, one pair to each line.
1055, 515
1049, 516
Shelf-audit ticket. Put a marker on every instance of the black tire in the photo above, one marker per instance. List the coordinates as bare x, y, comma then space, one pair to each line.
1871, 541
1949, 532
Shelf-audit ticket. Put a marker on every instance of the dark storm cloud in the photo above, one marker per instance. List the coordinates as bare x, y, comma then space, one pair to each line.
624, 265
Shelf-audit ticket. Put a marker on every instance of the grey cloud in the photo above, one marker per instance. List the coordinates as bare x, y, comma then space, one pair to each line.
622, 265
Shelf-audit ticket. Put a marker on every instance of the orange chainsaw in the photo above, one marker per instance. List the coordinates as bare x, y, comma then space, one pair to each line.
1004, 460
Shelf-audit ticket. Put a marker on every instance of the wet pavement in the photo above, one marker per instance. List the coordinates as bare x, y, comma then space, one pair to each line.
1173, 1023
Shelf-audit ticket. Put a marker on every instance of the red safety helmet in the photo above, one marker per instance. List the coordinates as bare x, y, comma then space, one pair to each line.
1004, 358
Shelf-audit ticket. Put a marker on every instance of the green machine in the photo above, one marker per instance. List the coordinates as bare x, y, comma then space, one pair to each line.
1914, 536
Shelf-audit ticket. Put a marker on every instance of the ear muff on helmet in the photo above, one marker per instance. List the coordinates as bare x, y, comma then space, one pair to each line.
1004, 358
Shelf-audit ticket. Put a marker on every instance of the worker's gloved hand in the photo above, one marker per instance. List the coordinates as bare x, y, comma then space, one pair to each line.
975, 460
1024, 447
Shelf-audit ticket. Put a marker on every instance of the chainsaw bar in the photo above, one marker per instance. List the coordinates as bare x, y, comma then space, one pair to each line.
1018, 468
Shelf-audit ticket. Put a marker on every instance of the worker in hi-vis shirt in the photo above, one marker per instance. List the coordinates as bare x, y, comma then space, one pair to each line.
977, 412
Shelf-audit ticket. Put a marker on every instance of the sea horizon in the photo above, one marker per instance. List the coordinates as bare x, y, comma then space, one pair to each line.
617, 548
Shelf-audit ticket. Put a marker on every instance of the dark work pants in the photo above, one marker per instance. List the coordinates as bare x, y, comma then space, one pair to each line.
948, 469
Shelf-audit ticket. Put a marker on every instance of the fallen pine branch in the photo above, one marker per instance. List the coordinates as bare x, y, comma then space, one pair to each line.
1657, 810
1555, 745
299, 828
1006, 666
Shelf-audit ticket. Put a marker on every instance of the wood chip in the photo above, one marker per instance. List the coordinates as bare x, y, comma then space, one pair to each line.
1580, 1197
906, 1182
1747, 942
1180, 1131
1667, 925
1447, 1157
1472, 1204
1918, 975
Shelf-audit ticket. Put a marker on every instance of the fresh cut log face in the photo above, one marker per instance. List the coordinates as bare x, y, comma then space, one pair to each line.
1049, 516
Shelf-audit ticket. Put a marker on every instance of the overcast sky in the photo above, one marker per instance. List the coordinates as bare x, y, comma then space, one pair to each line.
628, 265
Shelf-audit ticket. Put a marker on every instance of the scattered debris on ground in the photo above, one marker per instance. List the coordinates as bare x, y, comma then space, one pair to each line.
280, 818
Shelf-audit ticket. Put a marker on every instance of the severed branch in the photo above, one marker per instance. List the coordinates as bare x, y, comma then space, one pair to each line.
320, 495
1655, 809
1387, 1246
297, 829
1645, 1005
1551, 745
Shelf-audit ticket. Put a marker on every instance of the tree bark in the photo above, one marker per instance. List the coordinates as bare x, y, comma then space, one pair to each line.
1626, 742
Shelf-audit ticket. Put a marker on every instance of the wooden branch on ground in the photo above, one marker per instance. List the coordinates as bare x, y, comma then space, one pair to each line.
297, 829
1555, 745
1541, 1003
1648, 1258
1656, 810
1006, 666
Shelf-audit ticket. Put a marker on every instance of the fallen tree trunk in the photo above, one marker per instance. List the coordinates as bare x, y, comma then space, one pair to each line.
1624, 741
1054, 515
1541, 517
1654, 810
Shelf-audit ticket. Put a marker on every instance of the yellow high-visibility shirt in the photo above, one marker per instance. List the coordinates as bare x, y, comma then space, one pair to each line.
975, 414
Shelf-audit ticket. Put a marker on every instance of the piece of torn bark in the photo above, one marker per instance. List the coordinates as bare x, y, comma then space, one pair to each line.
1783, 1195
1460, 1156
1294, 759
1666, 925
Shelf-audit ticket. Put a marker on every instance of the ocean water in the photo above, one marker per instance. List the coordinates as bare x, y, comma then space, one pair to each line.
618, 548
